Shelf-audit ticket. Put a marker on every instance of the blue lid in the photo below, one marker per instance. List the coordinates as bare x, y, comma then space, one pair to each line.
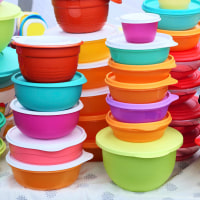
152, 6
8, 62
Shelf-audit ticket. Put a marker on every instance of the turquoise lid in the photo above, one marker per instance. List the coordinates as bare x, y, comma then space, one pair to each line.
2, 120
8, 62
152, 6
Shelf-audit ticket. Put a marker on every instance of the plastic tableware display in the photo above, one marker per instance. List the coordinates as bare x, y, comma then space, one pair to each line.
140, 113
47, 97
95, 73
140, 167
47, 59
93, 48
140, 54
173, 19
45, 125
94, 101
142, 73
138, 132
186, 40
7, 68
80, 16
47, 177
45, 152
2, 120
8, 13
2, 147
174, 5
92, 124
138, 93
137, 25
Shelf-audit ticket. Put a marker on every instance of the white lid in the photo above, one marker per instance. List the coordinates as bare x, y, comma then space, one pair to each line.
142, 17
106, 31
95, 92
16, 106
161, 41
93, 65
45, 168
46, 40
15, 137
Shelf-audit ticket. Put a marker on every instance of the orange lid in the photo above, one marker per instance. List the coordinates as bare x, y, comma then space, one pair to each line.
92, 118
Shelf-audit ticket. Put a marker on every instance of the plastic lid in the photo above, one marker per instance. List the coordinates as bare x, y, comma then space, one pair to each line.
153, 6
93, 65
39, 168
16, 106
2, 120
161, 41
95, 92
2, 146
188, 122
92, 118
106, 31
78, 79
188, 82
8, 62
138, 18
15, 137
46, 41
170, 142
189, 109
9, 11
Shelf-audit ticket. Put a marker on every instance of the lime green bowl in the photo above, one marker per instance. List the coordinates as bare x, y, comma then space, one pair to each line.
2, 147
139, 167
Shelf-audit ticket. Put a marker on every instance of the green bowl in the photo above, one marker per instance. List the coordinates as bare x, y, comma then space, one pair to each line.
139, 167
2, 147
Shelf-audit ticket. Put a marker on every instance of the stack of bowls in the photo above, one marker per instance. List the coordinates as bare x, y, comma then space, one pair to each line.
139, 149
46, 143
180, 19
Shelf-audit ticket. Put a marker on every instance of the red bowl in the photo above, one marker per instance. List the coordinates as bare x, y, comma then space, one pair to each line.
81, 16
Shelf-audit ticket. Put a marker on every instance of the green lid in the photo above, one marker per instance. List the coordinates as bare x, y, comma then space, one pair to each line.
2, 120
2, 146
170, 142
9, 11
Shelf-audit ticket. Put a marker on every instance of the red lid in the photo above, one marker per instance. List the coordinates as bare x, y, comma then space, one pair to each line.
191, 81
189, 109
189, 55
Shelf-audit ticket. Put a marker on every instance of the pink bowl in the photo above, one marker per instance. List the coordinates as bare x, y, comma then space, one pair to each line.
45, 125
46, 152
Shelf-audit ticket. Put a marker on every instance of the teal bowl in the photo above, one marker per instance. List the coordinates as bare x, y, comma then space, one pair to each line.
48, 97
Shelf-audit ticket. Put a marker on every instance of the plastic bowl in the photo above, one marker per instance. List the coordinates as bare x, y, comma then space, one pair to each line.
47, 59
92, 125
139, 167
47, 177
138, 93
94, 102
138, 132
45, 125
45, 152
137, 25
133, 54
140, 113
142, 73
173, 19
174, 5
186, 40
95, 73
48, 97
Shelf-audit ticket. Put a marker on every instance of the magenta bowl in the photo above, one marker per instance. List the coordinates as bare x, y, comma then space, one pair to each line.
45, 125
140, 27
140, 113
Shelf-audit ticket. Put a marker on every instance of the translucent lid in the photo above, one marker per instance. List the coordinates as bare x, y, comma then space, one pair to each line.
106, 31
95, 92
161, 41
8, 62
170, 142
9, 11
39, 168
15, 137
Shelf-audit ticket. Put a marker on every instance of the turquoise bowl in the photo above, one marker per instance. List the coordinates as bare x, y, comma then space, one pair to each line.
48, 97
176, 20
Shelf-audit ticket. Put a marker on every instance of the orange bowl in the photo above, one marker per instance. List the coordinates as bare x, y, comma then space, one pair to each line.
186, 40
138, 93
138, 132
95, 73
94, 101
142, 73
